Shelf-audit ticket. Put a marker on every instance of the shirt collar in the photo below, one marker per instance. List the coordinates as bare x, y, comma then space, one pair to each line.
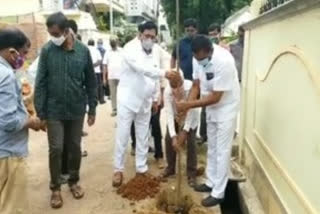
5, 63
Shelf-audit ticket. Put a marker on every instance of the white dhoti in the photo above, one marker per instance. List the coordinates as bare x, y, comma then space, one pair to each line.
141, 120
220, 137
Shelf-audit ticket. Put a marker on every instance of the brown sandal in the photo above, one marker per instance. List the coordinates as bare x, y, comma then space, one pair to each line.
117, 179
56, 201
76, 191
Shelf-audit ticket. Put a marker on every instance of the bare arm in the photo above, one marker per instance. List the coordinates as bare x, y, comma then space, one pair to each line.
105, 73
173, 63
212, 98
195, 90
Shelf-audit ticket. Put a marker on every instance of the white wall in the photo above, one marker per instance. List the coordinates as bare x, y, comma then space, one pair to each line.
10, 8
281, 104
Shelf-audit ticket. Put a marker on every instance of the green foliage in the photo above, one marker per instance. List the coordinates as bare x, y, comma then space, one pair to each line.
126, 33
205, 11
102, 25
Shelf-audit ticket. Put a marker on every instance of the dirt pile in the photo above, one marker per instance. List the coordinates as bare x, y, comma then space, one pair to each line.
140, 188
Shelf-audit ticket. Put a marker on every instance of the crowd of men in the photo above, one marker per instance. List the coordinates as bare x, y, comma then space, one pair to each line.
70, 81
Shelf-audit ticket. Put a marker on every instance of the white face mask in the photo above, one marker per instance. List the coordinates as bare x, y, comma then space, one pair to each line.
58, 41
147, 44
204, 62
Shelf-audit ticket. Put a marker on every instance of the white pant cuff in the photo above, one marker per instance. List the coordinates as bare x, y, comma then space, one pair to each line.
217, 196
118, 170
208, 183
142, 170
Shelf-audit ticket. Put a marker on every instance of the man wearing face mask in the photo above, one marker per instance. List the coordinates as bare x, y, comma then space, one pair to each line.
64, 83
216, 79
214, 33
186, 63
137, 93
102, 51
236, 49
14, 123
97, 61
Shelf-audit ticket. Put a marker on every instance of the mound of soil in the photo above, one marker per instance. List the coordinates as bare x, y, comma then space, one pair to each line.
140, 187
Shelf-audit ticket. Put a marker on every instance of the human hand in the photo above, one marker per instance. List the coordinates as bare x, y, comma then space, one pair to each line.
155, 107
105, 82
91, 120
182, 106
43, 125
174, 78
182, 137
175, 143
33, 123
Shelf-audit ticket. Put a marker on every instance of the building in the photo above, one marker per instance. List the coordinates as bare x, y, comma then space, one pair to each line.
164, 31
140, 10
102, 6
231, 25
280, 116
30, 17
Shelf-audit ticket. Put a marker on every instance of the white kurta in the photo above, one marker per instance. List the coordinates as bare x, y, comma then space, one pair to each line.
96, 57
138, 87
219, 75
192, 118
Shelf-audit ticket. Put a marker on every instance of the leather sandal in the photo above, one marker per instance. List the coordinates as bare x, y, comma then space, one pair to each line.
117, 179
56, 201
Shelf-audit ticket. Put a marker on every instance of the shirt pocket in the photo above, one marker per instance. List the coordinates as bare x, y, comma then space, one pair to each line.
209, 80
76, 69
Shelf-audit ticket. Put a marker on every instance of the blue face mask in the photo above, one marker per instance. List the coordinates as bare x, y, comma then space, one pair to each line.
204, 62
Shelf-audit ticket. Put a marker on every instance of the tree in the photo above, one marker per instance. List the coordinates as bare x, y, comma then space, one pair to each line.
205, 11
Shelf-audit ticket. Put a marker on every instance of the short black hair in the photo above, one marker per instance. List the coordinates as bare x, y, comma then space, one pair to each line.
13, 37
214, 27
148, 25
201, 42
91, 42
241, 29
73, 25
58, 19
190, 23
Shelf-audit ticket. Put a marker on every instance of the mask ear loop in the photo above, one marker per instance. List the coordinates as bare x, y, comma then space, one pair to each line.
13, 50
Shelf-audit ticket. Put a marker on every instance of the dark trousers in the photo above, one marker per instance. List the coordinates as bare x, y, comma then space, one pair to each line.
203, 124
100, 89
65, 159
191, 154
156, 134
60, 133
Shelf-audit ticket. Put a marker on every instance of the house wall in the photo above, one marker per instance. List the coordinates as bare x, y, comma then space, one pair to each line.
280, 137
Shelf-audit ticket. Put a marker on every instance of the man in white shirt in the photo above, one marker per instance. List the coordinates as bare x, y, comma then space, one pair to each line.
174, 139
137, 93
216, 78
97, 60
155, 125
112, 62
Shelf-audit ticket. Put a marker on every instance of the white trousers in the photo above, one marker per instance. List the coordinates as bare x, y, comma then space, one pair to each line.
220, 137
125, 117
